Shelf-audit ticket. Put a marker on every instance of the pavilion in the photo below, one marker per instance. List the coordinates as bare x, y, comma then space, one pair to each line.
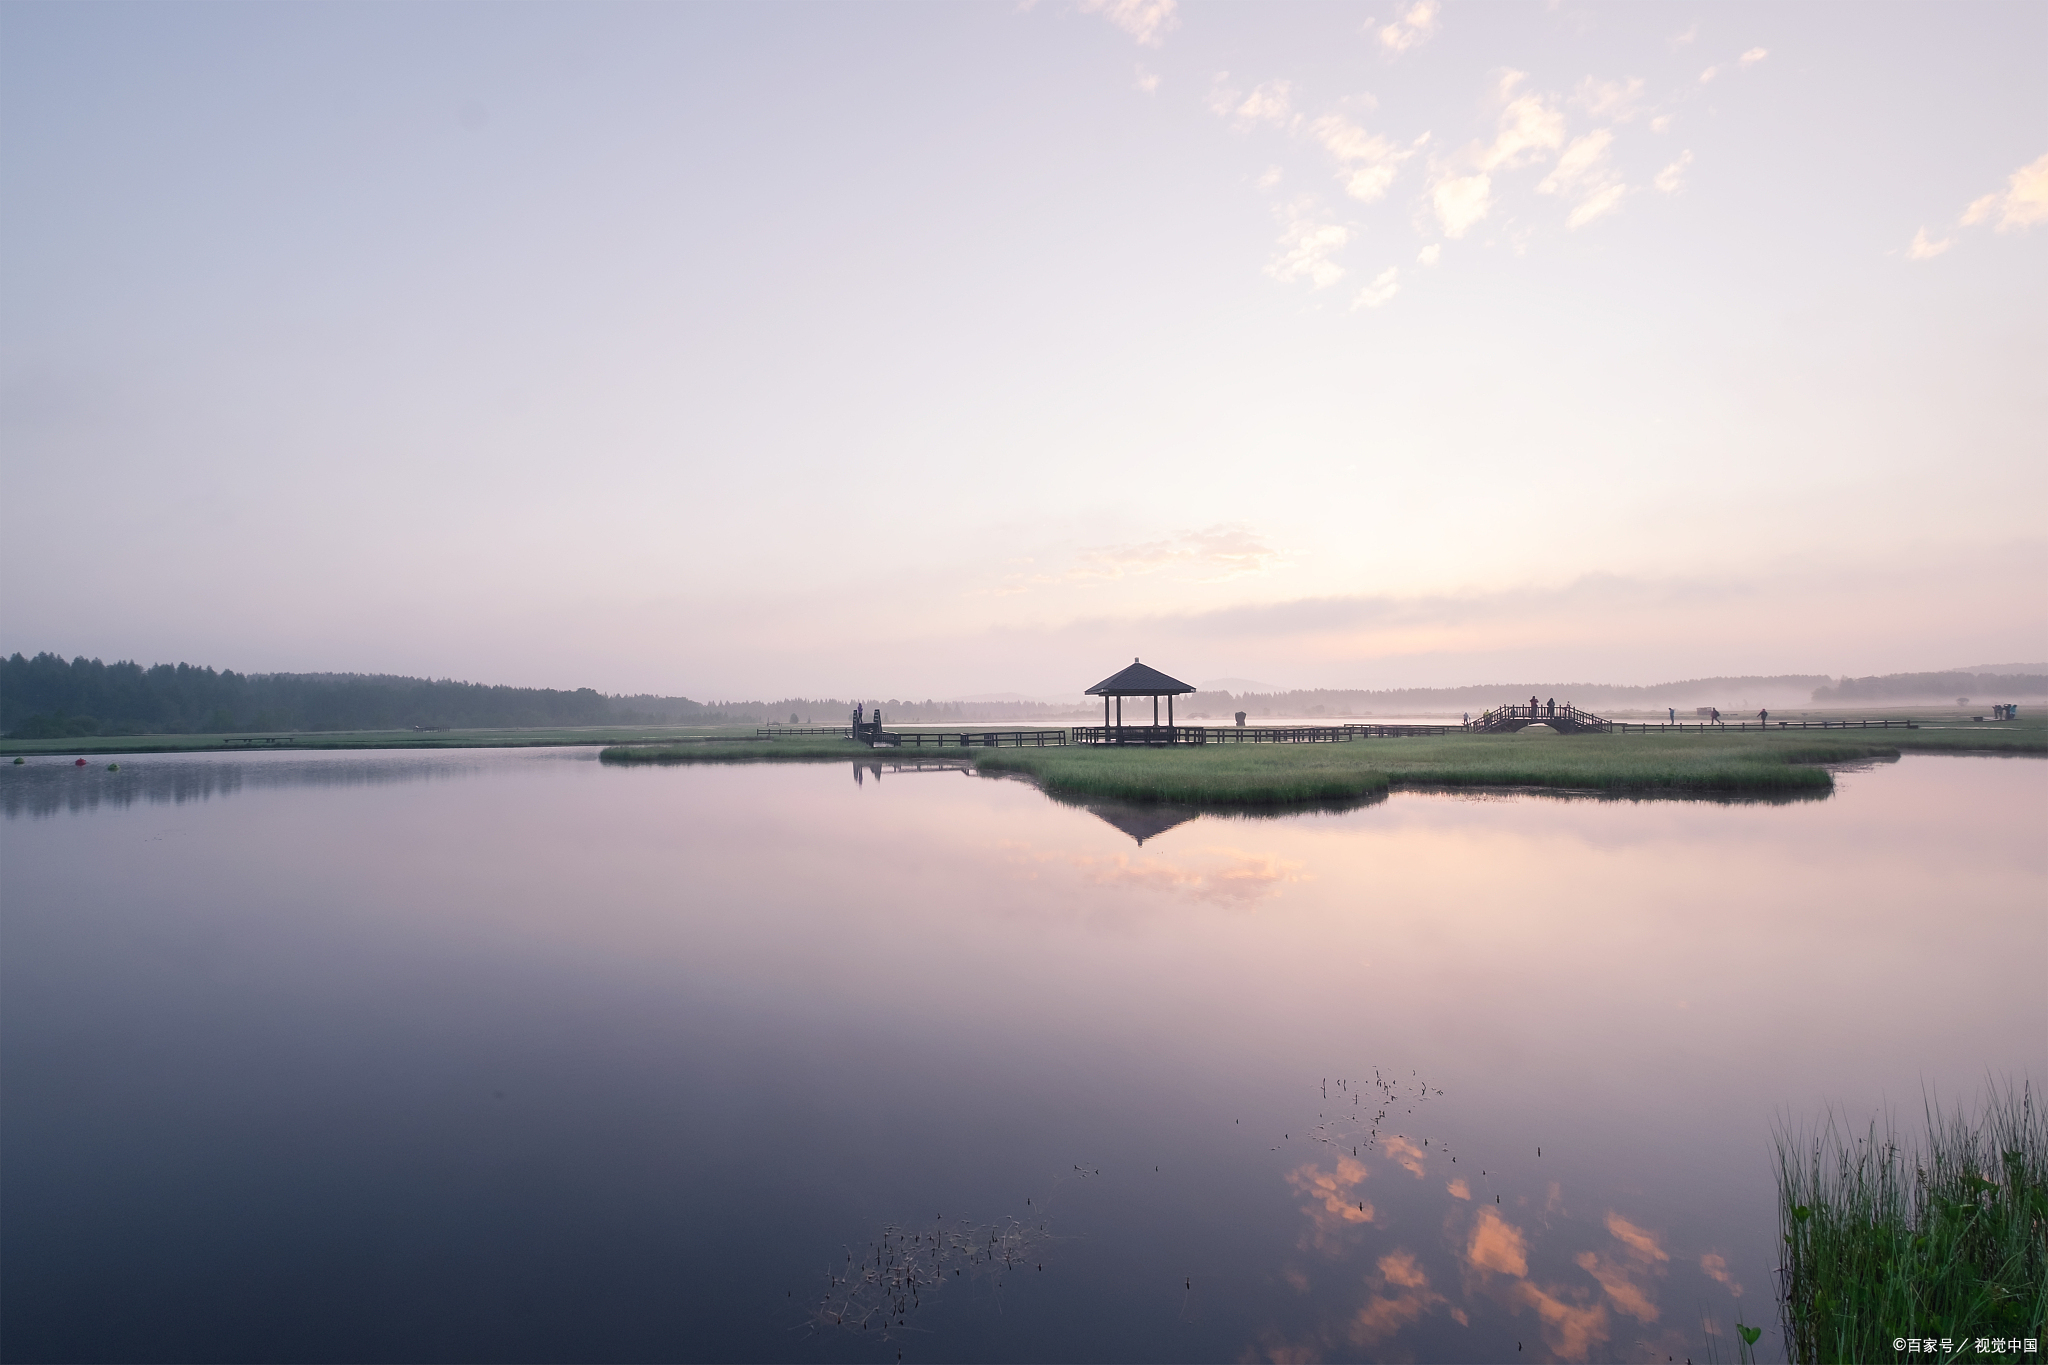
1138, 681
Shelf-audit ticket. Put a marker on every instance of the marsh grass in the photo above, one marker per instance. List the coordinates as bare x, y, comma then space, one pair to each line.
1301, 774
1943, 1238
799, 749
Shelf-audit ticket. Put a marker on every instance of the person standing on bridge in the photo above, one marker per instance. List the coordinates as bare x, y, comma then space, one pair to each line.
1553, 706
1671, 712
1534, 707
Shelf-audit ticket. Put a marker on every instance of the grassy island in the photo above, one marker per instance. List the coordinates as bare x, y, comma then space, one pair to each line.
1732, 763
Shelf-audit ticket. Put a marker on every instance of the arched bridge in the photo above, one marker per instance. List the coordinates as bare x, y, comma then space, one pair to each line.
1566, 720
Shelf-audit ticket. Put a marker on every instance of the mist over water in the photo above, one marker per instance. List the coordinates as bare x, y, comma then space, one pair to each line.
514, 1055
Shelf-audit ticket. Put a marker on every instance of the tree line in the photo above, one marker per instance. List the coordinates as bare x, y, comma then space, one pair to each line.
49, 697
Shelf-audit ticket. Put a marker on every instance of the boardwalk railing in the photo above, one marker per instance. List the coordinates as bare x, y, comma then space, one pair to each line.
778, 731
969, 739
1770, 727
1251, 734
1139, 734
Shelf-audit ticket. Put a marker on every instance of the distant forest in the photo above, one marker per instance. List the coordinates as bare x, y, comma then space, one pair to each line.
47, 697
1984, 688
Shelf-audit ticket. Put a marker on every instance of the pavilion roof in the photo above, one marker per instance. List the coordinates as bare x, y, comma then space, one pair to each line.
1139, 681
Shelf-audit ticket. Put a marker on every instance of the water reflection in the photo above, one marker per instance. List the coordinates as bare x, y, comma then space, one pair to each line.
571, 1062
1425, 1272
43, 789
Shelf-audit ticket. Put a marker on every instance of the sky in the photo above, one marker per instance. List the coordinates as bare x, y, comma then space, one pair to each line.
939, 350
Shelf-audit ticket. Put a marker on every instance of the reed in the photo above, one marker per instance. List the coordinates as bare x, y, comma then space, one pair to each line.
1946, 1238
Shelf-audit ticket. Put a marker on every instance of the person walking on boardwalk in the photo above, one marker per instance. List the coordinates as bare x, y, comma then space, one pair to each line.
1763, 717
1672, 712
1714, 714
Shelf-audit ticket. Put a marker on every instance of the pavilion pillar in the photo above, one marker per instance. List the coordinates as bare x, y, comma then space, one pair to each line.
1105, 715
1169, 710
1155, 710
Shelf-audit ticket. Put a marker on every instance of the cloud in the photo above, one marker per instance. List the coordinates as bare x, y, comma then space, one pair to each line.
1753, 56
1458, 1189
1679, 40
1369, 160
1306, 245
1148, 21
1411, 28
1407, 1154
1386, 1314
1716, 1268
1147, 81
1271, 178
1497, 1245
1585, 173
1218, 875
1461, 202
1609, 99
1642, 1245
1572, 1332
1531, 127
1430, 254
1709, 74
1626, 1295
1270, 103
2021, 204
1333, 1194
1671, 179
1925, 248
1384, 286
1660, 123
1214, 553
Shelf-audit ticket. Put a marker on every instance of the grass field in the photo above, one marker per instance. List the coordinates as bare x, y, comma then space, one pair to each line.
1945, 1237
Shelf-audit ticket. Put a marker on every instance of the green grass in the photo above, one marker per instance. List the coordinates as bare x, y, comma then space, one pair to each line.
803, 749
1946, 1238
1292, 774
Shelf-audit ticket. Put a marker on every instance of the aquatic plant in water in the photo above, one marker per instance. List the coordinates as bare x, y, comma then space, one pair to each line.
881, 1288
1944, 1241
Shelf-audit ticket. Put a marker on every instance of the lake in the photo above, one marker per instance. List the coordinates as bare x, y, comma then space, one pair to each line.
511, 1055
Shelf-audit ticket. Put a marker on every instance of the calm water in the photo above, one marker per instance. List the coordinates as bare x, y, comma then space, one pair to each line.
513, 1056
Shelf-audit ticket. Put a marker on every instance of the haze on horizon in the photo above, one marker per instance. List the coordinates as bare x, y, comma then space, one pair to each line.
945, 350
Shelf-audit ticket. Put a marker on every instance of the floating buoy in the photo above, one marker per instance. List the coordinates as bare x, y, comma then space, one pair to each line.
113, 767
18, 759
79, 764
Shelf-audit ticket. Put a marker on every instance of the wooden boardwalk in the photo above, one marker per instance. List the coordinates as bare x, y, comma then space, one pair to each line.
1251, 734
1566, 720
1768, 727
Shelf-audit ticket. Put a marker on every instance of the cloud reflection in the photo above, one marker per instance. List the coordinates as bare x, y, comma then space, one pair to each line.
1333, 1202
1219, 875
